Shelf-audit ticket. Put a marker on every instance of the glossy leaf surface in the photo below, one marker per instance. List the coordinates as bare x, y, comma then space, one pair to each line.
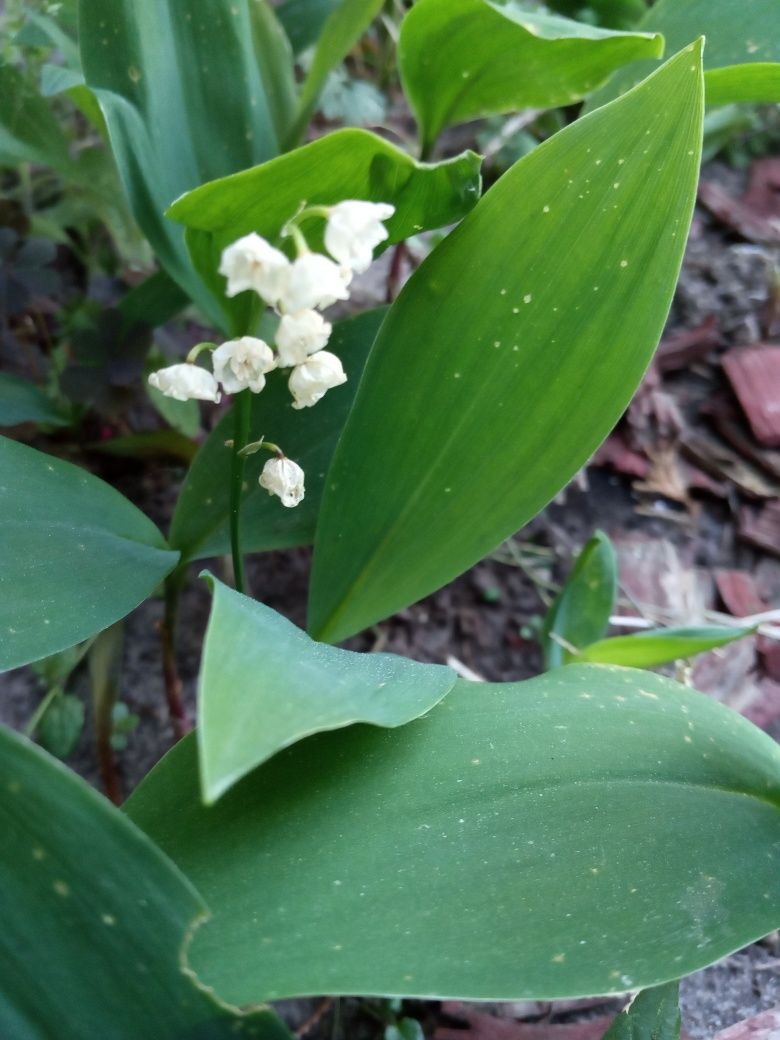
77, 555
264, 684
347, 164
759, 82
91, 944
661, 646
187, 97
200, 521
653, 1014
510, 354
465, 58
580, 614
583, 832
738, 34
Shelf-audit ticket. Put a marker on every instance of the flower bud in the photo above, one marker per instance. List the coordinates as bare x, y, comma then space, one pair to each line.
299, 335
186, 382
310, 381
354, 229
314, 281
252, 263
241, 364
283, 477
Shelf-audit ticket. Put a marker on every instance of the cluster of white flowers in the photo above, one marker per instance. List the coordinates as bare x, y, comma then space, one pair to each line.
297, 290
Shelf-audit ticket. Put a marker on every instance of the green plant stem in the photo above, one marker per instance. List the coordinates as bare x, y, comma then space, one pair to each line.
243, 414
40, 711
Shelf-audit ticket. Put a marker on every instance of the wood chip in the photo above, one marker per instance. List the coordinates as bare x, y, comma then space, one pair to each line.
716, 458
481, 1026
761, 527
754, 373
756, 216
739, 593
765, 1026
682, 349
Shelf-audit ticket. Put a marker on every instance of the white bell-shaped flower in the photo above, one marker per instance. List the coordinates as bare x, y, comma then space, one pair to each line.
314, 281
354, 230
300, 335
283, 477
310, 381
253, 263
186, 382
241, 364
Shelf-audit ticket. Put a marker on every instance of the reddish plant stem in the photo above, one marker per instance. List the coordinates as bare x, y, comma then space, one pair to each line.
315, 1017
171, 680
396, 272
107, 760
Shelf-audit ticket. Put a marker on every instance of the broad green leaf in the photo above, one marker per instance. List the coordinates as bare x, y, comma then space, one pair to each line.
151, 444
653, 1014
185, 96
264, 684
340, 32
77, 555
590, 831
661, 646
614, 14
758, 82
737, 34
22, 401
580, 614
347, 164
510, 353
29, 131
303, 20
200, 521
95, 919
465, 58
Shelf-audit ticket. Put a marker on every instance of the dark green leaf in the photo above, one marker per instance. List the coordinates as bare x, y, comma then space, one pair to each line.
737, 34
264, 684
95, 920
22, 401
465, 58
79, 555
584, 832
653, 1014
510, 354
661, 646
580, 615
29, 131
303, 20
614, 14
185, 97
61, 725
200, 521
152, 444
153, 302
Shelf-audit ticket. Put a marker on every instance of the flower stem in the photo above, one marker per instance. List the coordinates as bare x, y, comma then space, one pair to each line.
243, 415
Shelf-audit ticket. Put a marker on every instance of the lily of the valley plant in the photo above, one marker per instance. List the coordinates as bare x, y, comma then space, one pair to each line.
297, 290
361, 823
